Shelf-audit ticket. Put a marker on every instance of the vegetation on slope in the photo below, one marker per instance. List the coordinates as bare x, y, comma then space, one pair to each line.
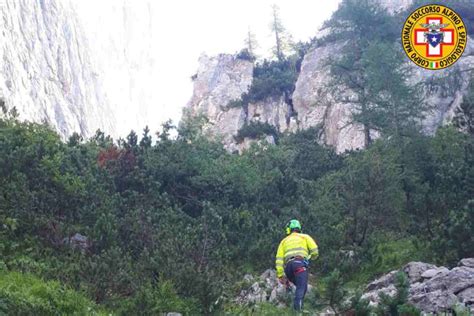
172, 225
181, 220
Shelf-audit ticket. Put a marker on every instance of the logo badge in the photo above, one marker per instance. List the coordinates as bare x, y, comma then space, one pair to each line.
434, 36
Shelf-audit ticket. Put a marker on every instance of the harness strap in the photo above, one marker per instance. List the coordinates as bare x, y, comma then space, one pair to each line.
300, 269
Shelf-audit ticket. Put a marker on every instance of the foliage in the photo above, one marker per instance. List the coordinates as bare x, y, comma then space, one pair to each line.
179, 220
282, 38
464, 116
388, 253
397, 305
369, 74
251, 45
23, 294
159, 299
256, 130
271, 79
246, 54
360, 306
334, 292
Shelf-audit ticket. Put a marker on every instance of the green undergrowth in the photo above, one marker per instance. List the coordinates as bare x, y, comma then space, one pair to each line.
25, 294
386, 256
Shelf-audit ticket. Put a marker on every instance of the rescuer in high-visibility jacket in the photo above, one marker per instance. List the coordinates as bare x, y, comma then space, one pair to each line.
292, 260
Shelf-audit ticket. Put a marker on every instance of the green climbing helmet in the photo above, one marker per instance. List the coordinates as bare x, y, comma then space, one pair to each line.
292, 225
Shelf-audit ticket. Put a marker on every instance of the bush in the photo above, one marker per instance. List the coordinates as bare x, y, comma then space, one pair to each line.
256, 130
23, 294
244, 54
397, 305
153, 300
271, 79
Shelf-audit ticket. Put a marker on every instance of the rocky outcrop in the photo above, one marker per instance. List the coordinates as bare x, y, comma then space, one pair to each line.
221, 80
224, 78
315, 104
218, 81
264, 288
247, 142
432, 289
274, 111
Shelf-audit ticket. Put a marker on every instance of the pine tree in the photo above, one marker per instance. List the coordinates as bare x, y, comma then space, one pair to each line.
371, 76
282, 39
251, 43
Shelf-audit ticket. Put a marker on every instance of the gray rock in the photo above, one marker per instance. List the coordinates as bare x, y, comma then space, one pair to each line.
467, 262
435, 301
374, 296
52, 71
266, 288
414, 270
248, 278
273, 111
455, 280
432, 289
382, 282
428, 274
466, 296
247, 142
220, 80
78, 241
173, 314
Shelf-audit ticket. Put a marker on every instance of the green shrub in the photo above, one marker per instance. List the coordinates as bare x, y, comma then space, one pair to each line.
397, 305
263, 309
244, 54
23, 294
153, 300
360, 306
271, 79
256, 130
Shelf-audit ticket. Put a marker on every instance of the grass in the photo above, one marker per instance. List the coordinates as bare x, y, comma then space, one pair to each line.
25, 294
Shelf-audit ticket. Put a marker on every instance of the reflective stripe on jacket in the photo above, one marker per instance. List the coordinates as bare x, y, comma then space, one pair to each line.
295, 245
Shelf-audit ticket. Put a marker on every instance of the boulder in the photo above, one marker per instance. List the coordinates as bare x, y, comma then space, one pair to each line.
432, 289
414, 270
428, 274
466, 296
467, 262
374, 296
454, 281
433, 302
382, 282
78, 241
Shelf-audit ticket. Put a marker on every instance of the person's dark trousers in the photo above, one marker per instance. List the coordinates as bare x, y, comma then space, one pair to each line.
297, 272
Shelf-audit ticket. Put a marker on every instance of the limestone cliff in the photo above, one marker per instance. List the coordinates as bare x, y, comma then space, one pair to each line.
442, 90
62, 65
46, 72
224, 78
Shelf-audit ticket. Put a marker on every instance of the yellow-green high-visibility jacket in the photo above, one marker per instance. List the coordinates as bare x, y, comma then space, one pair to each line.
295, 245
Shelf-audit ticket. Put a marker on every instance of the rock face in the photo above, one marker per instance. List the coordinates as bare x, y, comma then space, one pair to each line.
432, 289
442, 90
58, 68
218, 81
316, 107
224, 78
221, 80
46, 72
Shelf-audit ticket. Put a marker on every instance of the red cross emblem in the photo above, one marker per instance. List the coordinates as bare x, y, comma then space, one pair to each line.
421, 39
